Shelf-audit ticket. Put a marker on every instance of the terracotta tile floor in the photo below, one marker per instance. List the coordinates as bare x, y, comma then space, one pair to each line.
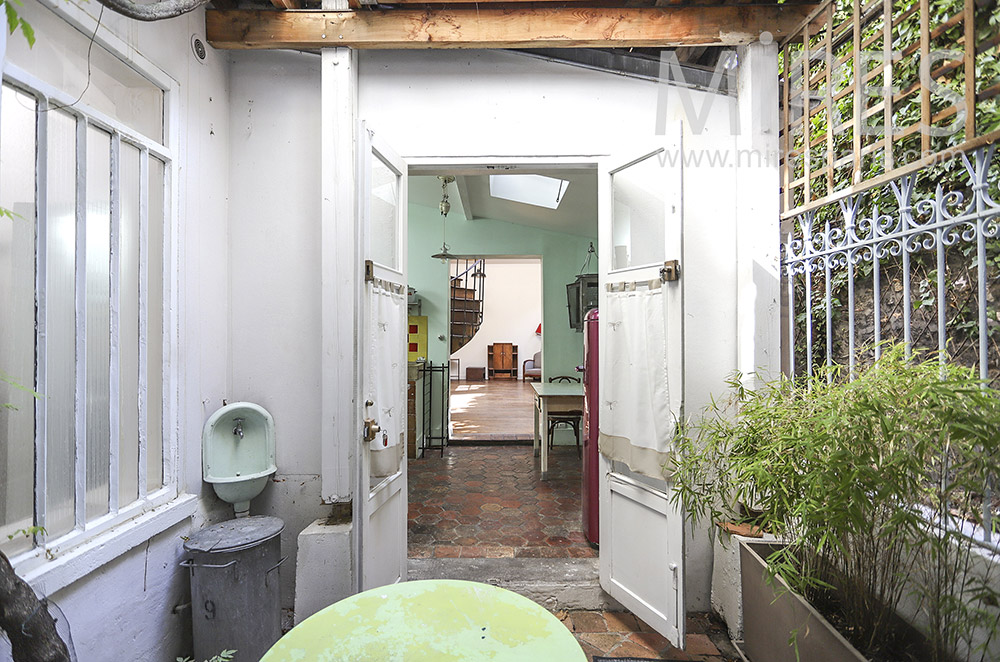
489, 502
620, 634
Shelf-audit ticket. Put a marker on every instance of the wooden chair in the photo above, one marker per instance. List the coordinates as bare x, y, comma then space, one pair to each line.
572, 417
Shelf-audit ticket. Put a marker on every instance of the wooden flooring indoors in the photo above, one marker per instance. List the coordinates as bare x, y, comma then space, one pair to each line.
494, 410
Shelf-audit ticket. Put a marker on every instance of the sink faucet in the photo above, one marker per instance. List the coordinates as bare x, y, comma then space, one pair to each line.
238, 430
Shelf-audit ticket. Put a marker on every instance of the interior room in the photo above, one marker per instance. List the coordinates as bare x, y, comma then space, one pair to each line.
496, 280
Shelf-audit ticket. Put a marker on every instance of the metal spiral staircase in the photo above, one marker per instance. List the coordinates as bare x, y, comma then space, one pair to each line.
468, 285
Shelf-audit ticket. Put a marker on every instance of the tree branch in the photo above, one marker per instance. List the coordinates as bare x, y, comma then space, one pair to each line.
156, 11
26, 621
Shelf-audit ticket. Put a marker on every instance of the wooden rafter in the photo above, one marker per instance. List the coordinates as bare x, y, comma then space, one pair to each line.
506, 27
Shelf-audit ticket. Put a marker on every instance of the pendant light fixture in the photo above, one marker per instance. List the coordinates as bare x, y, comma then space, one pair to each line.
445, 207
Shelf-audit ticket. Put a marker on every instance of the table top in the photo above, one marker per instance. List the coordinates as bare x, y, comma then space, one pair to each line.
439, 620
549, 389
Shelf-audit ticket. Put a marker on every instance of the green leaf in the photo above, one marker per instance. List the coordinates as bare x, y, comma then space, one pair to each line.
29, 33
10, 380
13, 21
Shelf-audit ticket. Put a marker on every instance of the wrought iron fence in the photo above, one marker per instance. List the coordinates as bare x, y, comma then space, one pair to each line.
916, 260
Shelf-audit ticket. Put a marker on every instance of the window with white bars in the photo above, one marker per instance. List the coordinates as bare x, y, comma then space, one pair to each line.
83, 247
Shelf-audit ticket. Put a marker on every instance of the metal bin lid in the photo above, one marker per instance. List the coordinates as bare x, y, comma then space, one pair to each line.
235, 534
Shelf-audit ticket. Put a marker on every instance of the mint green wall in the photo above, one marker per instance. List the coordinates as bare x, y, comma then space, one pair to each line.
562, 255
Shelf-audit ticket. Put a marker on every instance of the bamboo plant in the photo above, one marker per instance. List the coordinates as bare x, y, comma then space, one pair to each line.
874, 482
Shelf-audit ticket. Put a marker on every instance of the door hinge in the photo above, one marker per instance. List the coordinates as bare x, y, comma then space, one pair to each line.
671, 270
369, 271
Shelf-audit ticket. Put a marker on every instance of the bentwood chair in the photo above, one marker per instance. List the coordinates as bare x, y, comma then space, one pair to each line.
572, 418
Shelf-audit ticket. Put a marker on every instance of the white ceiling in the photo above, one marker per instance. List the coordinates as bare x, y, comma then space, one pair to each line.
577, 213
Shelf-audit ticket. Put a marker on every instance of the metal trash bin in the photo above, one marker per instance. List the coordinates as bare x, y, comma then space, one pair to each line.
235, 602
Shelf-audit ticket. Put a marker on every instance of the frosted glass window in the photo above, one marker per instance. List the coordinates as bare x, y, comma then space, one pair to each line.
98, 311
384, 214
154, 324
82, 291
128, 327
65, 58
60, 300
638, 215
17, 317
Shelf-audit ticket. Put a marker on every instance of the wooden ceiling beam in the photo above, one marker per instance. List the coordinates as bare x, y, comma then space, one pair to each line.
504, 27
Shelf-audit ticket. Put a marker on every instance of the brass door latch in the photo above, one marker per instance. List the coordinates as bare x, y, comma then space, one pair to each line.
671, 270
371, 429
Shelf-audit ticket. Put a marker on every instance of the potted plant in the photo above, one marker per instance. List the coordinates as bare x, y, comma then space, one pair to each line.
870, 481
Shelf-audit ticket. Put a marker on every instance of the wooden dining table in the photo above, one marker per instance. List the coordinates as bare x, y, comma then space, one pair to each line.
552, 398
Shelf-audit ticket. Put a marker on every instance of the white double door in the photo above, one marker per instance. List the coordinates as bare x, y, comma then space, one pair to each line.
640, 228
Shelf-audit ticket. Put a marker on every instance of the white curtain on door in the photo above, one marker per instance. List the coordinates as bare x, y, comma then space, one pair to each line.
386, 367
637, 426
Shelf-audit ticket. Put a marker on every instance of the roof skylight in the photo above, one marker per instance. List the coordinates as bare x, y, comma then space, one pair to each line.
535, 190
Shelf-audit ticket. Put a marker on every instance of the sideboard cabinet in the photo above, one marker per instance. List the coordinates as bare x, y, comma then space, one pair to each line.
501, 360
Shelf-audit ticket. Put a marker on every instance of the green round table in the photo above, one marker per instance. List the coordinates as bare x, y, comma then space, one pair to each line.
439, 620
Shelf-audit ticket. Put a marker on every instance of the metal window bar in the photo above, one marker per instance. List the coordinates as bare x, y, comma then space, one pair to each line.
435, 379
894, 230
41, 271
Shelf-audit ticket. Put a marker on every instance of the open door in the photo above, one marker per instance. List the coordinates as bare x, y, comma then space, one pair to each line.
641, 389
381, 492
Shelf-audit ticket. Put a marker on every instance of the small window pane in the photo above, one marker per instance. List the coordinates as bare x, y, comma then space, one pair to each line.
384, 214
17, 317
128, 328
98, 320
638, 215
154, 325
60, 300
65, 58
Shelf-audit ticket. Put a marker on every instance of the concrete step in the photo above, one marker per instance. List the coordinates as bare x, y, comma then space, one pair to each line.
553, 583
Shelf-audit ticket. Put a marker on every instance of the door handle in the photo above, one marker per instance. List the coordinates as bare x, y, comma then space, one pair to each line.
371, 429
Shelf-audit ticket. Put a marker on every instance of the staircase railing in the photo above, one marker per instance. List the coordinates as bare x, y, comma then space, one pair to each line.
468, 291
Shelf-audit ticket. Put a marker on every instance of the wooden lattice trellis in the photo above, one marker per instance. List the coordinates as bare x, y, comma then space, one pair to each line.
871, 91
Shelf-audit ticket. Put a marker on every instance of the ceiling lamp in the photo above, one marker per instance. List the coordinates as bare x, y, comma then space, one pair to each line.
445, 207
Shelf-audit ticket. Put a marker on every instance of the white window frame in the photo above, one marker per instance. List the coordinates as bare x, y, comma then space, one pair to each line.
55, 563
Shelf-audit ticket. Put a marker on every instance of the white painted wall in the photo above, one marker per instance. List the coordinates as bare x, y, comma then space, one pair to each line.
274, 257
511, 312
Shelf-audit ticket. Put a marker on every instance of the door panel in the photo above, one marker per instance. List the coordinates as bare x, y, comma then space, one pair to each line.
641, 325
641, 551
387, 507
381, 487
